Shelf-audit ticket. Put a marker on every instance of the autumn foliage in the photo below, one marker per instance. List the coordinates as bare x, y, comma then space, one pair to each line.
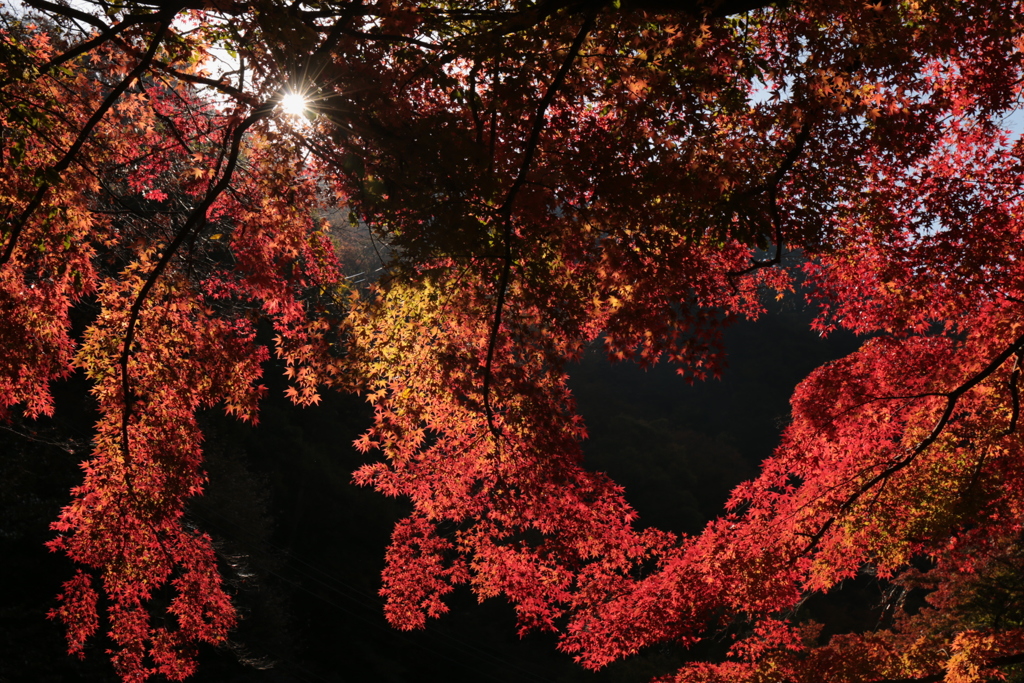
545, 176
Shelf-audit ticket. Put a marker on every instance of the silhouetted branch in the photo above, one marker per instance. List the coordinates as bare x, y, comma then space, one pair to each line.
505, 211
772, 188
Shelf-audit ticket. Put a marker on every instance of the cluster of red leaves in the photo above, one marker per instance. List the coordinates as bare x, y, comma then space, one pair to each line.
177, 274
882, 153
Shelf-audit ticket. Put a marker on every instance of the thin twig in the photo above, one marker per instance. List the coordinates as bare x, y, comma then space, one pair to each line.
391, 38
1014, 395
69, 446
107, 34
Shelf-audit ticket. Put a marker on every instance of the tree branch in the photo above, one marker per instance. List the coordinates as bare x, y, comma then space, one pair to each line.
108, 33
951, 400
196, 220
390, 38
69, 446
221, 86
1014, 395
772, 188
505, 211
533, 15
18, 224
69, 12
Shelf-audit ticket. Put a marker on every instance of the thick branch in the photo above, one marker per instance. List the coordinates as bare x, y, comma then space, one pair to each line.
195, 220
772, 188
68, 12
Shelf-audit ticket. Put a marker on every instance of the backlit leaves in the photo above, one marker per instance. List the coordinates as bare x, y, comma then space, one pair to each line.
540, 179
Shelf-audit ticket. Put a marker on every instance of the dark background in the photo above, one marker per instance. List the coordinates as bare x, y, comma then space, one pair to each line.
303, 548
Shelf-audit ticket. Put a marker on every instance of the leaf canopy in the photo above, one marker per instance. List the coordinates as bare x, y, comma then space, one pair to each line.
543, 176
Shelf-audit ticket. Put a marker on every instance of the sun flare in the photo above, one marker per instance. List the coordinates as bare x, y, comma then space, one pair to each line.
293, 104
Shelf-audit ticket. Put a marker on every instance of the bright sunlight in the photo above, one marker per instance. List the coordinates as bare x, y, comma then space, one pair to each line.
293, 104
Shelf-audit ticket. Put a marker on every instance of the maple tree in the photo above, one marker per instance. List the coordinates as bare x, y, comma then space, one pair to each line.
545, 175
